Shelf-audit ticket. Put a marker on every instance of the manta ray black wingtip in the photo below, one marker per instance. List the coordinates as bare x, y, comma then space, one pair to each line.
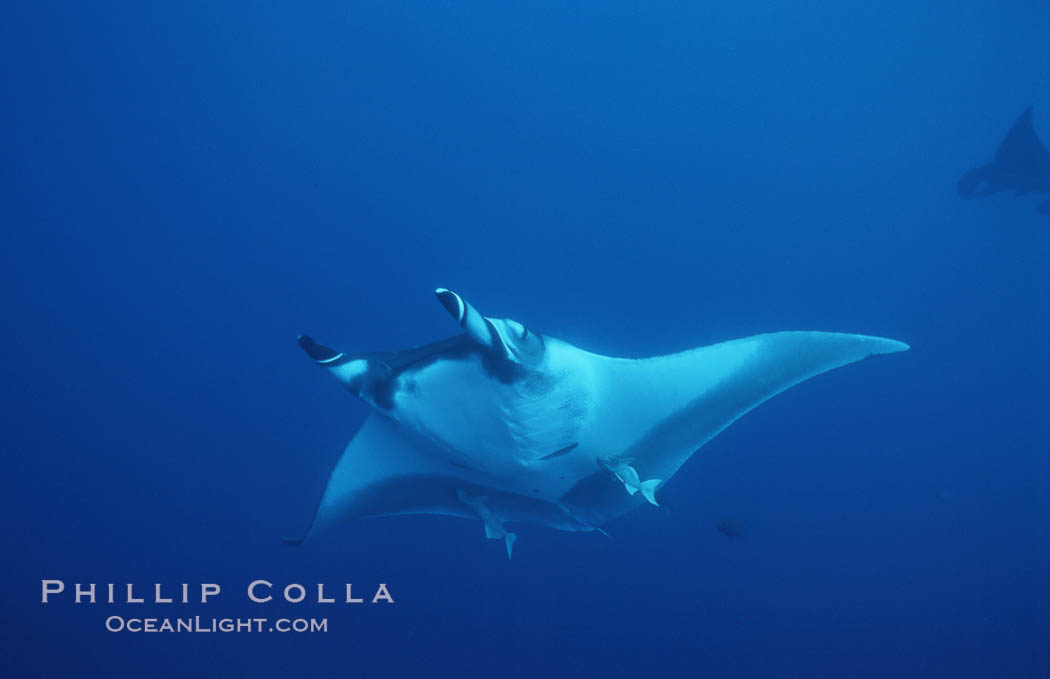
317, 352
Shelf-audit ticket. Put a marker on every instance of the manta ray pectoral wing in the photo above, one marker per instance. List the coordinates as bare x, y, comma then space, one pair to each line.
1021, 151
692, 396
689, 397
670, 406
383, 472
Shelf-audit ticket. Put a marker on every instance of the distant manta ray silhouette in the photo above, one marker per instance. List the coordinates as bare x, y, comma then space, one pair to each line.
502, 423
1021, 164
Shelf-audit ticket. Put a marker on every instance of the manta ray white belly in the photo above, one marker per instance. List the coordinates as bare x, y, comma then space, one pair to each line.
520, 423
493, 427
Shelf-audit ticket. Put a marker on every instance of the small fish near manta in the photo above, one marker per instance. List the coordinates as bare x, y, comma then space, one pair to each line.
504, 424
622, 469
494, 529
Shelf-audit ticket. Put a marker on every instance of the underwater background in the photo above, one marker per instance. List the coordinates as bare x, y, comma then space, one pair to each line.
189, 186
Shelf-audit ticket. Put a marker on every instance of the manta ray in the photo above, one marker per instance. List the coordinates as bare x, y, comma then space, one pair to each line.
1022, 163
504, 424
731, 528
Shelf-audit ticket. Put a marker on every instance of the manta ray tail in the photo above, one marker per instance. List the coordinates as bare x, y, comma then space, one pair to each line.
648, 489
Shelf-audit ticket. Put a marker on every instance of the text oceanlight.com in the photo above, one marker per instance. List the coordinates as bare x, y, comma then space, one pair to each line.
117, 623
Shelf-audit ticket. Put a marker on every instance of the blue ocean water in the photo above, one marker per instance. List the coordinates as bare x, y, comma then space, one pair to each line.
189, 187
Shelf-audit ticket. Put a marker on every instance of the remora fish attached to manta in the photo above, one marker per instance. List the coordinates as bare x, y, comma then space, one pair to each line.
540, 429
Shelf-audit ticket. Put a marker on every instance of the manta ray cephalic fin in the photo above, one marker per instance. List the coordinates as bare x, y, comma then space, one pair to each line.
479, 328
